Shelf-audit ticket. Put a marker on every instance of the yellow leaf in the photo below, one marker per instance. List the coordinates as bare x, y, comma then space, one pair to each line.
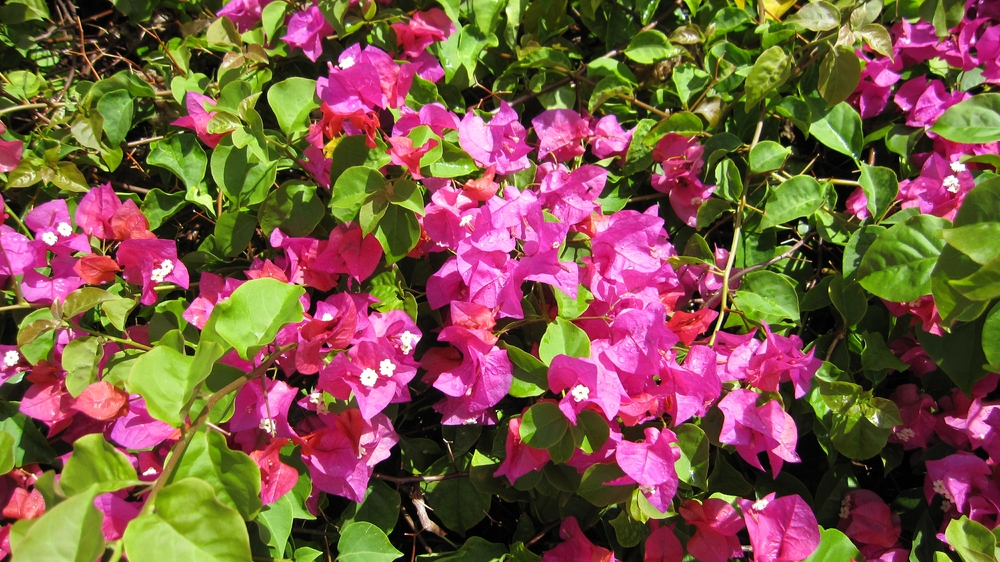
776, 8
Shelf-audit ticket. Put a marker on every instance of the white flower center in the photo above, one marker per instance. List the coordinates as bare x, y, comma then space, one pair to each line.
50, 238
386, 367
348, 62
958, 167
406, 341
952, 184
368, 377
759, 505
904, 434
160, 273
946, 505
316, 399
64, 229
845, 507
940, 489
580, 393
466, 221
326, 317
268, 425
11, 358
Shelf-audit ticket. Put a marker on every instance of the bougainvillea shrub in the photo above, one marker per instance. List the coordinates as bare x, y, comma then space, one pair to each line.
500, 280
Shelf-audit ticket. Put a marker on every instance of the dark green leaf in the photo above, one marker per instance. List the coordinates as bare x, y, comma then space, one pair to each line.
768, 156
797, 197
543, 425
562, 337
897, 266
769, 72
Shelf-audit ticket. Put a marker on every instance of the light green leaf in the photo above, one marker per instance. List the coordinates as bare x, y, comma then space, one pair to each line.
292, 100
839, 129
769, 72
183, 155
161, 376
649, 47
254, 313
233, 475
81, 359
95, 462
543, 425
189, 523
68, 532
363, 542
765, 295
562, 337
880, 187
897, 266
768, 156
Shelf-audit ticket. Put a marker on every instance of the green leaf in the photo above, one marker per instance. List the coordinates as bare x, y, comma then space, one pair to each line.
183, 155
991, 335
457, 503
797, 197
81, 359
68, 532
594, 431
769, 72
975, 240
959, 353
364, 542
609, 87
692, 464
233, 231
817, 16
768, 156
973, 541
649, 47
880, 187
233, 475
454, 162
294, 208
765, 295
159, 206
95, 462
116, 108
30, 445
897, 267
475, 549
975, 120
380, 508
162, 377
188, 524
834, 545
839, 129
857, 246
398, 231
292, 100
272, 18
353, 186
254, 313
839, 74
594, 485
570, 308
530, 374
7, 444
243, 178
543, 425
563, 337
628, 531
848, 298
876, 37
487, 14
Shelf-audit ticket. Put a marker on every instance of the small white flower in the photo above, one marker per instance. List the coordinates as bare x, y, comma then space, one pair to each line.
361, 451
958, 167
904, 434
466, 221
159, 274
387, 367
348, 62
759, 505
64, 229
326, 317
952, 184
368, 377
580, 393
946, 505
845, 507
316, 399
11, 358
268, 425
940, 489
167, 266
149, 471
697, 201
50, 238
470, 421
406, 341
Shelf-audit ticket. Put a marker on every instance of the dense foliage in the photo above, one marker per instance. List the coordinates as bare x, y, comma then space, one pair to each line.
500, 279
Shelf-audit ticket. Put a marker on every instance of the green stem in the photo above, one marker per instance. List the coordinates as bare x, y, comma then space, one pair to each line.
27, 106
178, 449
123, 341
17, 219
